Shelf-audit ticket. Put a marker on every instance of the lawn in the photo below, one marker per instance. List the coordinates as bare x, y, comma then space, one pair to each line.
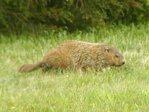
122, 89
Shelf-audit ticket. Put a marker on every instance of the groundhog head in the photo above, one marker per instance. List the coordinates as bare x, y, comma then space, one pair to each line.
113, 57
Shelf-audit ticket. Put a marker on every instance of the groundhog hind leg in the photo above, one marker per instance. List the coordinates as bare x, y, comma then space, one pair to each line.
56, 59
45, 67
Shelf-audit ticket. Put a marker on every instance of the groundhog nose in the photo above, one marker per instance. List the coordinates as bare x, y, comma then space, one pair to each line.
123, 62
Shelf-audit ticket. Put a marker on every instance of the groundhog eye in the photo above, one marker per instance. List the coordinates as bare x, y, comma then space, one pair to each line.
116, 56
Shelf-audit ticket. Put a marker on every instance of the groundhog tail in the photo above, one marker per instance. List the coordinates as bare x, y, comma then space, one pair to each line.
29, 67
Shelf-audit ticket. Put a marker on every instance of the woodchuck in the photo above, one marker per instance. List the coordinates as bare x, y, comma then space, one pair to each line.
78, 55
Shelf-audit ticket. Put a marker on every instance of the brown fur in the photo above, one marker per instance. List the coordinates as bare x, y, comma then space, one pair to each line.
78, 55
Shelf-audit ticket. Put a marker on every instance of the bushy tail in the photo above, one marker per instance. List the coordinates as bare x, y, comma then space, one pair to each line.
30, 67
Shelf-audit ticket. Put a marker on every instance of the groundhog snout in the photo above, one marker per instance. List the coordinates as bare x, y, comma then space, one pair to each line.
123, 62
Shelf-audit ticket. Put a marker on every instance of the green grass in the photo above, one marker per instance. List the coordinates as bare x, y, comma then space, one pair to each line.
123, 89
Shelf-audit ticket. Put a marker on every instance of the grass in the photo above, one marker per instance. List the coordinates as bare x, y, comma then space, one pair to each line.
123, 89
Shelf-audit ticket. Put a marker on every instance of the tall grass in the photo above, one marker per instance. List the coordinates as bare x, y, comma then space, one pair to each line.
123, 89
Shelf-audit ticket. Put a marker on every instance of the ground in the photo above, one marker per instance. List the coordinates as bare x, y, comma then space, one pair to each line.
122, 89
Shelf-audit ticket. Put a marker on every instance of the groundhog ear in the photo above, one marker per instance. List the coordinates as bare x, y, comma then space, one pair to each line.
107, 49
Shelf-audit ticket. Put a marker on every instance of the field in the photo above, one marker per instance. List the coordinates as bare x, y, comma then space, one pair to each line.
122, 89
